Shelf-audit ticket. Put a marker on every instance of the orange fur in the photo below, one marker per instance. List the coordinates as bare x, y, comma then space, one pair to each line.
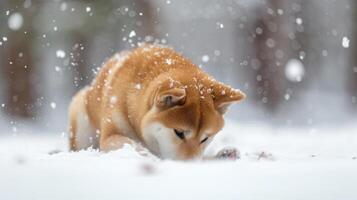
148, 91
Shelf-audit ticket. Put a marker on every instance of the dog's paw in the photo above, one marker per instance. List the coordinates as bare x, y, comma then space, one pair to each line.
228, 154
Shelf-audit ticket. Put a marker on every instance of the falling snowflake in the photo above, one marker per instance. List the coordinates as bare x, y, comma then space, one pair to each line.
345, 42
205, 58
294, 70
270, 43
259, 30
63, 6
15, 21
113, 99
57, 68
302, 55
280, 11
220, 25
53, 105
138, 86
60, 53
287, 97
298, 21
88, 9
169, 61
132, 34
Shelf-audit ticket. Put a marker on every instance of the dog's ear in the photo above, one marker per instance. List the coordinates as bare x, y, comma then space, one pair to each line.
224, 96
171, 97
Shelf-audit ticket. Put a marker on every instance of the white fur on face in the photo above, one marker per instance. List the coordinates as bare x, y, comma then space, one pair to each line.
160, 140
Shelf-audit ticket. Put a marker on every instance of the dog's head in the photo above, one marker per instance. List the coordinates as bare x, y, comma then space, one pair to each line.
185, 113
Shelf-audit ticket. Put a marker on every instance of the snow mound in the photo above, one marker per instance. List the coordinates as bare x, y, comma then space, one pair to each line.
274, 164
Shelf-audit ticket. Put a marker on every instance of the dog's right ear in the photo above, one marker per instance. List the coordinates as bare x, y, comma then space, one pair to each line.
170, 98
224, 96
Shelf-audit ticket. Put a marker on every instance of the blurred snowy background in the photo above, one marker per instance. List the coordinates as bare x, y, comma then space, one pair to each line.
295, 59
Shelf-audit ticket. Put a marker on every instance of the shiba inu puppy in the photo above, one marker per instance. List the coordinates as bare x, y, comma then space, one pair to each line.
151, 96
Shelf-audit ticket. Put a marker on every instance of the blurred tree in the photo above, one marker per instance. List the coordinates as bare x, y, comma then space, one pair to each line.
150, 21
17, 62
114, 18
271, 51
305, 42
352, 71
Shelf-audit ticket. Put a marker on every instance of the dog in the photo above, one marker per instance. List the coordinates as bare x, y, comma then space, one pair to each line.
154, 97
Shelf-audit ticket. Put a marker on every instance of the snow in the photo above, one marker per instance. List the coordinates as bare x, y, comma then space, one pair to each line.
302, 55
298, 21
345, 42
220, 25
27, 3
305, 164
270, 43
259, 30
57, 68
294, 70
63, 6
60, 53
169, 61
280, 11
15, 21
287, 97
138, 86
113, 99
53, 105
205, 58
132, 34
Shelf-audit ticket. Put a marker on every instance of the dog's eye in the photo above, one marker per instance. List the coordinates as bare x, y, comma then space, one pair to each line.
204, 140
180, 134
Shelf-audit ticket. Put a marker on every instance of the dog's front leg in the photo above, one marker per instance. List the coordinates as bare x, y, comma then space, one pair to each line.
111, 139
115, 142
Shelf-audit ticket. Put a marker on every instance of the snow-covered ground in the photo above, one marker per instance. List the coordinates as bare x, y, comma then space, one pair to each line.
298, 164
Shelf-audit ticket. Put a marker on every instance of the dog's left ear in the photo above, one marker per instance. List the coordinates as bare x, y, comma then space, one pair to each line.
224, 96
170, 98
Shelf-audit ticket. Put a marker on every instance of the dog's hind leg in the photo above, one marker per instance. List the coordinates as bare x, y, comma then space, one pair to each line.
82, 133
